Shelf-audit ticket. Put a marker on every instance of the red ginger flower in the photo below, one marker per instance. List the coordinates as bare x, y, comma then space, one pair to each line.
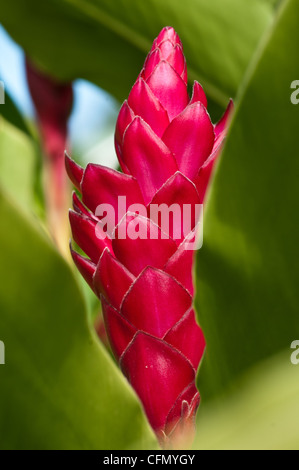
53, 102
167, 146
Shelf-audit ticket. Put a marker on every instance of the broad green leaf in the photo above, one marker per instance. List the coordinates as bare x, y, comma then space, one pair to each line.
274, 3
248, 274
106, 41
261, 413
10, 112
17, 163
59, 389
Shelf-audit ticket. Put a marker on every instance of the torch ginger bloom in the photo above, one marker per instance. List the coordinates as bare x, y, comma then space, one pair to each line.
166, 146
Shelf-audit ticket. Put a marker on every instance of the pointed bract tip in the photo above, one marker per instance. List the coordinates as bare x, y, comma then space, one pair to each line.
168, 32
85, 266
74, 171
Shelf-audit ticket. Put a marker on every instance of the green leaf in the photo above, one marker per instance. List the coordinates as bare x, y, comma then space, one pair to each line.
17, 163
106, 42
261, 413
59, 389
274, 3
248, 274
10, 112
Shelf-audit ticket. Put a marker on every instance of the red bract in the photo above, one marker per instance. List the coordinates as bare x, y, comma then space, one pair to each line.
53, 103
167, 146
